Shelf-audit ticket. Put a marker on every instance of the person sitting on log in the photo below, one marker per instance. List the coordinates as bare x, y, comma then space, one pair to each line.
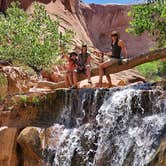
71, 59
82, 66
118, 48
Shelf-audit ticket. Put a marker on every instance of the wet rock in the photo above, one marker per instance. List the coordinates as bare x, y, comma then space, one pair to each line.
159, 159
88, 148
8, 146
88, 125
30, 143
161, 84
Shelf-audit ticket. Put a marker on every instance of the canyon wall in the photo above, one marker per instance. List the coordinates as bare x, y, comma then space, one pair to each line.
92, 23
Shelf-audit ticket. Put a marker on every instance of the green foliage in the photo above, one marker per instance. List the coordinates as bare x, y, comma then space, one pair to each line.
36, 100
31, 39
153, 71
3, 80
150, 17
3, 86
23, 99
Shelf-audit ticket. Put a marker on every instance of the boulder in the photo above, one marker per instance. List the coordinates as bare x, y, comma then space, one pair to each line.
30, 144
18, 81
119, 79
8, 152
159, 158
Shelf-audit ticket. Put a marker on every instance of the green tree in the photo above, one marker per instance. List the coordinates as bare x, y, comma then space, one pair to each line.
153, 71
31, 39
150, 17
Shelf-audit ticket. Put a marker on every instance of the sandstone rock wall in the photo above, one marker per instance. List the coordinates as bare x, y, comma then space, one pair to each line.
8, 151
102, 19
92, 23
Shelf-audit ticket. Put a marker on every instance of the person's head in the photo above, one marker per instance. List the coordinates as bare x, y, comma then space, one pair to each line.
73, 55
114, 36
77, 49
84, 48
95, 53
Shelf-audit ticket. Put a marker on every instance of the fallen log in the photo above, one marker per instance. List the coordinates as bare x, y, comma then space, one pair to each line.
117, 67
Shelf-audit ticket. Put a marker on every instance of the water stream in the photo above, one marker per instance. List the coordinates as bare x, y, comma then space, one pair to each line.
116, 127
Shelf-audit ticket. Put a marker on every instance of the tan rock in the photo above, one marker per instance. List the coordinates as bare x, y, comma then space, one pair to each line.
17, 79
92, 23
30, 143
164, 60
119, 79
8, 154
159, 159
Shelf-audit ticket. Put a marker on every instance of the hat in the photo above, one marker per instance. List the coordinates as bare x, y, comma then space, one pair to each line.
115, 33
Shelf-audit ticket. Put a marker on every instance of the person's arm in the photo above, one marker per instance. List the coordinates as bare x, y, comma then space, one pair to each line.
65, 56
88, 60
124, 49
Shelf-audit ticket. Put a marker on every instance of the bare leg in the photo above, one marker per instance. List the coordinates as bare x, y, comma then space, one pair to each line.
75, 79
88, 73
70, 78
109, 80
101, 72
66, 81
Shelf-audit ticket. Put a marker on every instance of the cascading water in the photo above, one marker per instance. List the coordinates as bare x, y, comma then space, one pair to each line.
116, 127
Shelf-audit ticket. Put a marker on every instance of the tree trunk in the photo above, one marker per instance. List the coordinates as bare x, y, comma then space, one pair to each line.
117, 67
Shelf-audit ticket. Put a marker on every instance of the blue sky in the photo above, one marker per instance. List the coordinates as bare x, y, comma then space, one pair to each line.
112, 1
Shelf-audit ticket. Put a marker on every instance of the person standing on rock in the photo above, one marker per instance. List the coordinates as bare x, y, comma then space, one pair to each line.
82, 66
118, 48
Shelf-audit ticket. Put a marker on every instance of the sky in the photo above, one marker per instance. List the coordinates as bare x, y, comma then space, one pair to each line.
112, 1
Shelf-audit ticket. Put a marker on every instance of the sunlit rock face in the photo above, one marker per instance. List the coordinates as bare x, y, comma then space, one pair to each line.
8, 146
30, 144
92, 23
100, 20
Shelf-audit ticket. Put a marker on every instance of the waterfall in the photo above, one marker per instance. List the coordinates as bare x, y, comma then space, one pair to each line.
116, 127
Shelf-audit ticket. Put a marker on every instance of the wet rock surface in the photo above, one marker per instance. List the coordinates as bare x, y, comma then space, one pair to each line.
159, 158
118, 126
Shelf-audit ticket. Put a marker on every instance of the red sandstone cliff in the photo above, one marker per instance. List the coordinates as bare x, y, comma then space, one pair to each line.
92, 23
